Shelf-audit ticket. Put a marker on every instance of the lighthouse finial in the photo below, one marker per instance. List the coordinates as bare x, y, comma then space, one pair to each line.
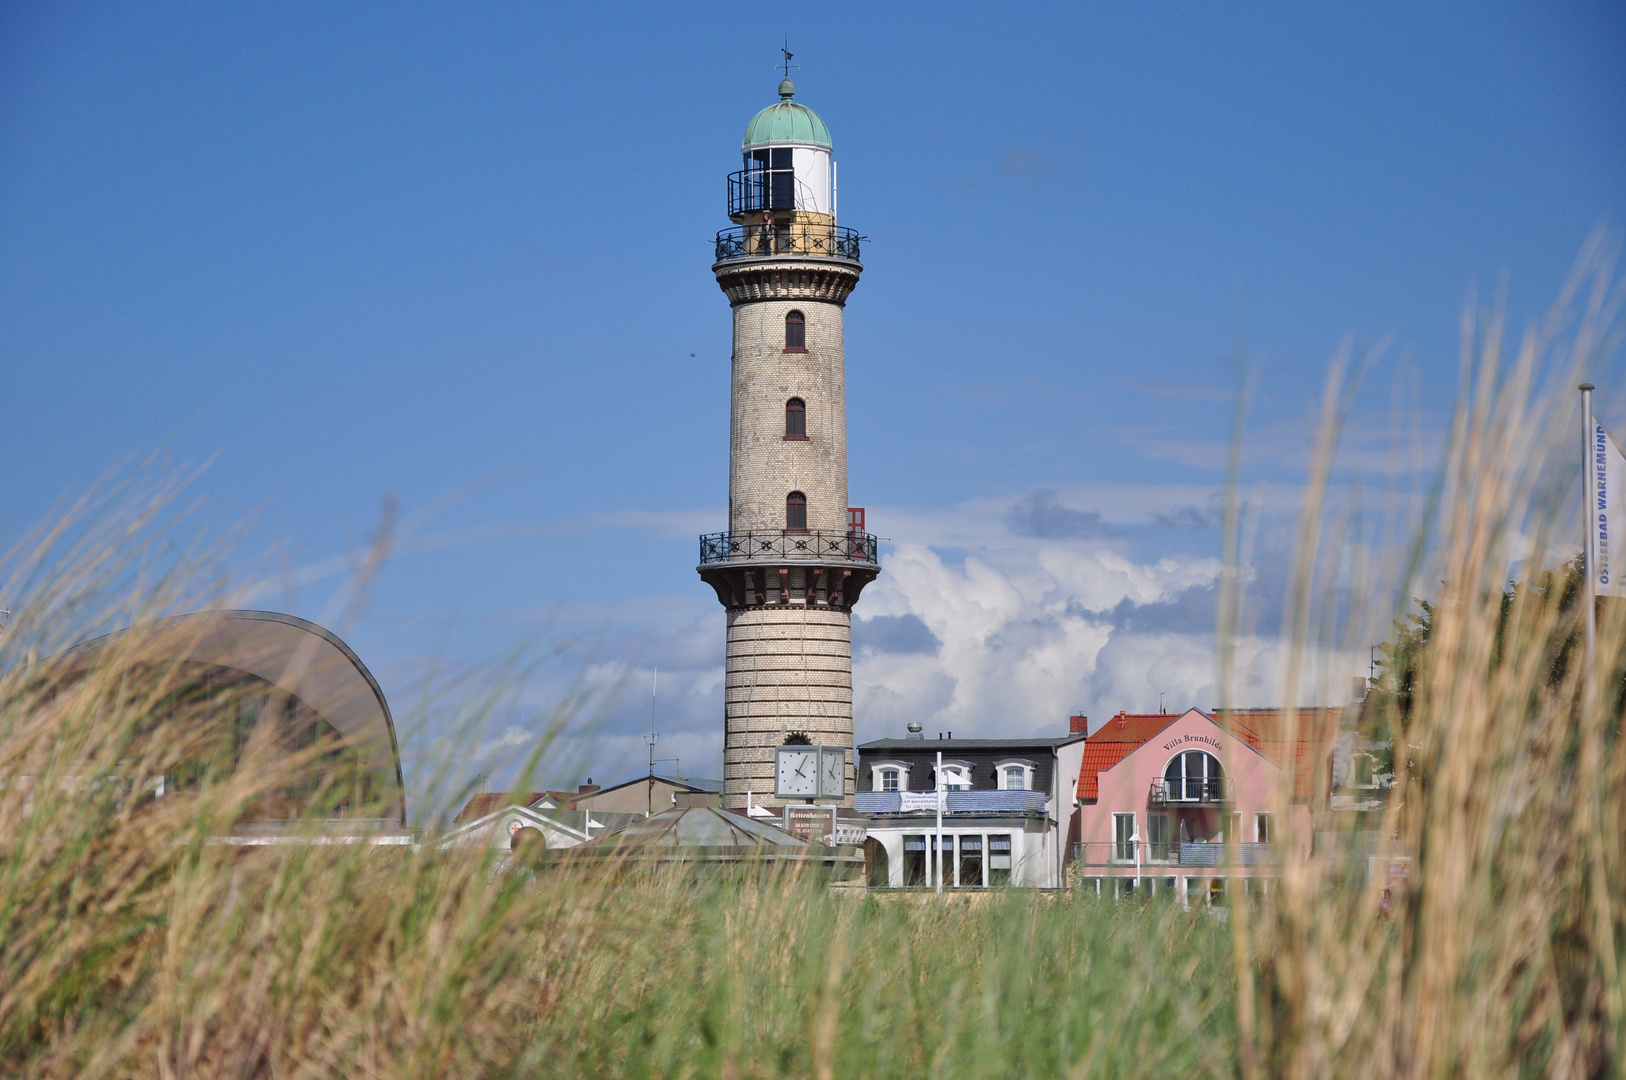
787, 89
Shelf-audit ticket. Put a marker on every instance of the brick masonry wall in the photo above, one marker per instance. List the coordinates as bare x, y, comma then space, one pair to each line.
764, 467
788, 669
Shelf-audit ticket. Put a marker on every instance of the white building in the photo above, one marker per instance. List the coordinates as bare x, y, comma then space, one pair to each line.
1007, 810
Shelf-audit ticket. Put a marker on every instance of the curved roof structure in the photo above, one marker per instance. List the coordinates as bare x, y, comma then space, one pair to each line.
786, 122
706, 834
304, 660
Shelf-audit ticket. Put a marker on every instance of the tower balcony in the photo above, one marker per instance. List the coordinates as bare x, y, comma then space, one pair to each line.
788, 240
772, 569
778, 546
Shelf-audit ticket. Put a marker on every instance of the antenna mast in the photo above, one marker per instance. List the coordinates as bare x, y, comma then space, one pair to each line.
652, 738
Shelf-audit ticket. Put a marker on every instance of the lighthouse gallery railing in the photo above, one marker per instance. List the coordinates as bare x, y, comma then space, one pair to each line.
729, 547
800, 239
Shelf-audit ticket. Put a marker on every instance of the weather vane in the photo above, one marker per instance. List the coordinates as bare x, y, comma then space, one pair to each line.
787, 65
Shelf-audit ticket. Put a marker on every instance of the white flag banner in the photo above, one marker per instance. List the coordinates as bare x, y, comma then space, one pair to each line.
1608, 513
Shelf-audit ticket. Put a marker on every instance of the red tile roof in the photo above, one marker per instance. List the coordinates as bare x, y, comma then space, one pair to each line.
1266, 731
1263, 729
1116, 740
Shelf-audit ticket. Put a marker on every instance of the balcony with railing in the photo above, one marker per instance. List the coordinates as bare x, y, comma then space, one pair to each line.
1192, 791
1188, 853
783, 546
796, 240
752, 191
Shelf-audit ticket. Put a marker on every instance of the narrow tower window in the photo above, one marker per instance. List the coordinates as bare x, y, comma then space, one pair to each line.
795, 332
796, 512
795, 419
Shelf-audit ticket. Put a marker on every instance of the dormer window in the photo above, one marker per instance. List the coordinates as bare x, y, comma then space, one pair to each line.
1014, 775
795, 332
795, 419
956, 777
889, 776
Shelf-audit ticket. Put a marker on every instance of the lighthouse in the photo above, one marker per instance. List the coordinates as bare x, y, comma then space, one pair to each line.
795, 555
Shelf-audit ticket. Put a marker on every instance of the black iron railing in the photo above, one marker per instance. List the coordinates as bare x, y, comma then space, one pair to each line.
729, 547
753, 190
1207, 792
802, 240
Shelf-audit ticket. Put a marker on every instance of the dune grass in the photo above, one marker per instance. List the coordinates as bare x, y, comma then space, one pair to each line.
132, 943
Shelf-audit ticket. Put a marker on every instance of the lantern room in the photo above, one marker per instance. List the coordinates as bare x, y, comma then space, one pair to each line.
787, 168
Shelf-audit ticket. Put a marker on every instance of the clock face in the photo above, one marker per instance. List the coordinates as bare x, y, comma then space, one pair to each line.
833, 777
798, 774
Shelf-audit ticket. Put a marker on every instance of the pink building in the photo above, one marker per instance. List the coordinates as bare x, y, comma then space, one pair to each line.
1192, 803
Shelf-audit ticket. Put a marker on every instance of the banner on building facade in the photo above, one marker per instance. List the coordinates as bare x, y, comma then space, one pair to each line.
921, 800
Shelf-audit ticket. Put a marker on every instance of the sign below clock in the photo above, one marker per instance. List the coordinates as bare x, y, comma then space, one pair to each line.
815, 824
810, 772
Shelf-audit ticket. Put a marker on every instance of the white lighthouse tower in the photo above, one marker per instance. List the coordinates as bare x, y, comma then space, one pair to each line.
796, 555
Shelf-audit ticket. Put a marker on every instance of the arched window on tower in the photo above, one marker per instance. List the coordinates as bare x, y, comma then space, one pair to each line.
795, 419
795, 332
796, 512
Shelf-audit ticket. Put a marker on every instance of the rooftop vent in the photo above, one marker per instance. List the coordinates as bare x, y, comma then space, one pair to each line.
915, 731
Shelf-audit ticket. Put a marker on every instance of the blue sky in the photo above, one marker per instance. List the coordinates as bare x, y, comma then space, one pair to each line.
460, 256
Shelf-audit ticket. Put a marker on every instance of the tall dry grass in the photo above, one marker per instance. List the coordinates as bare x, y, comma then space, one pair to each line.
134, 944
1501, 954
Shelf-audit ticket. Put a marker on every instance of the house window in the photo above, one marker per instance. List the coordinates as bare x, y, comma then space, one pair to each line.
1263, 831
795, 419
956, 778
1014, 775
1123, 837
1194, 776
796, 512
889, 776
999, 859
970, 863
914, 861
795, 332
1364, 771
1159, 838
1233, 829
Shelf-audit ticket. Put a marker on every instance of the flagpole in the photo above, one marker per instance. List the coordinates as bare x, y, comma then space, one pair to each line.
937, 841
1589, 499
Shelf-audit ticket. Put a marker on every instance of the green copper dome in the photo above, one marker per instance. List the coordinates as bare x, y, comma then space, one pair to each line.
786, 122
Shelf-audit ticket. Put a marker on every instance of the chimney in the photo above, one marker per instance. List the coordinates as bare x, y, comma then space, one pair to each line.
915, 730
587, 788
1078, 724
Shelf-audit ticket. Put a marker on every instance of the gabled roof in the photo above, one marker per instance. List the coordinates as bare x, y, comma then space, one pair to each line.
1265, 730
1115, 740
486, 802
544, 820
